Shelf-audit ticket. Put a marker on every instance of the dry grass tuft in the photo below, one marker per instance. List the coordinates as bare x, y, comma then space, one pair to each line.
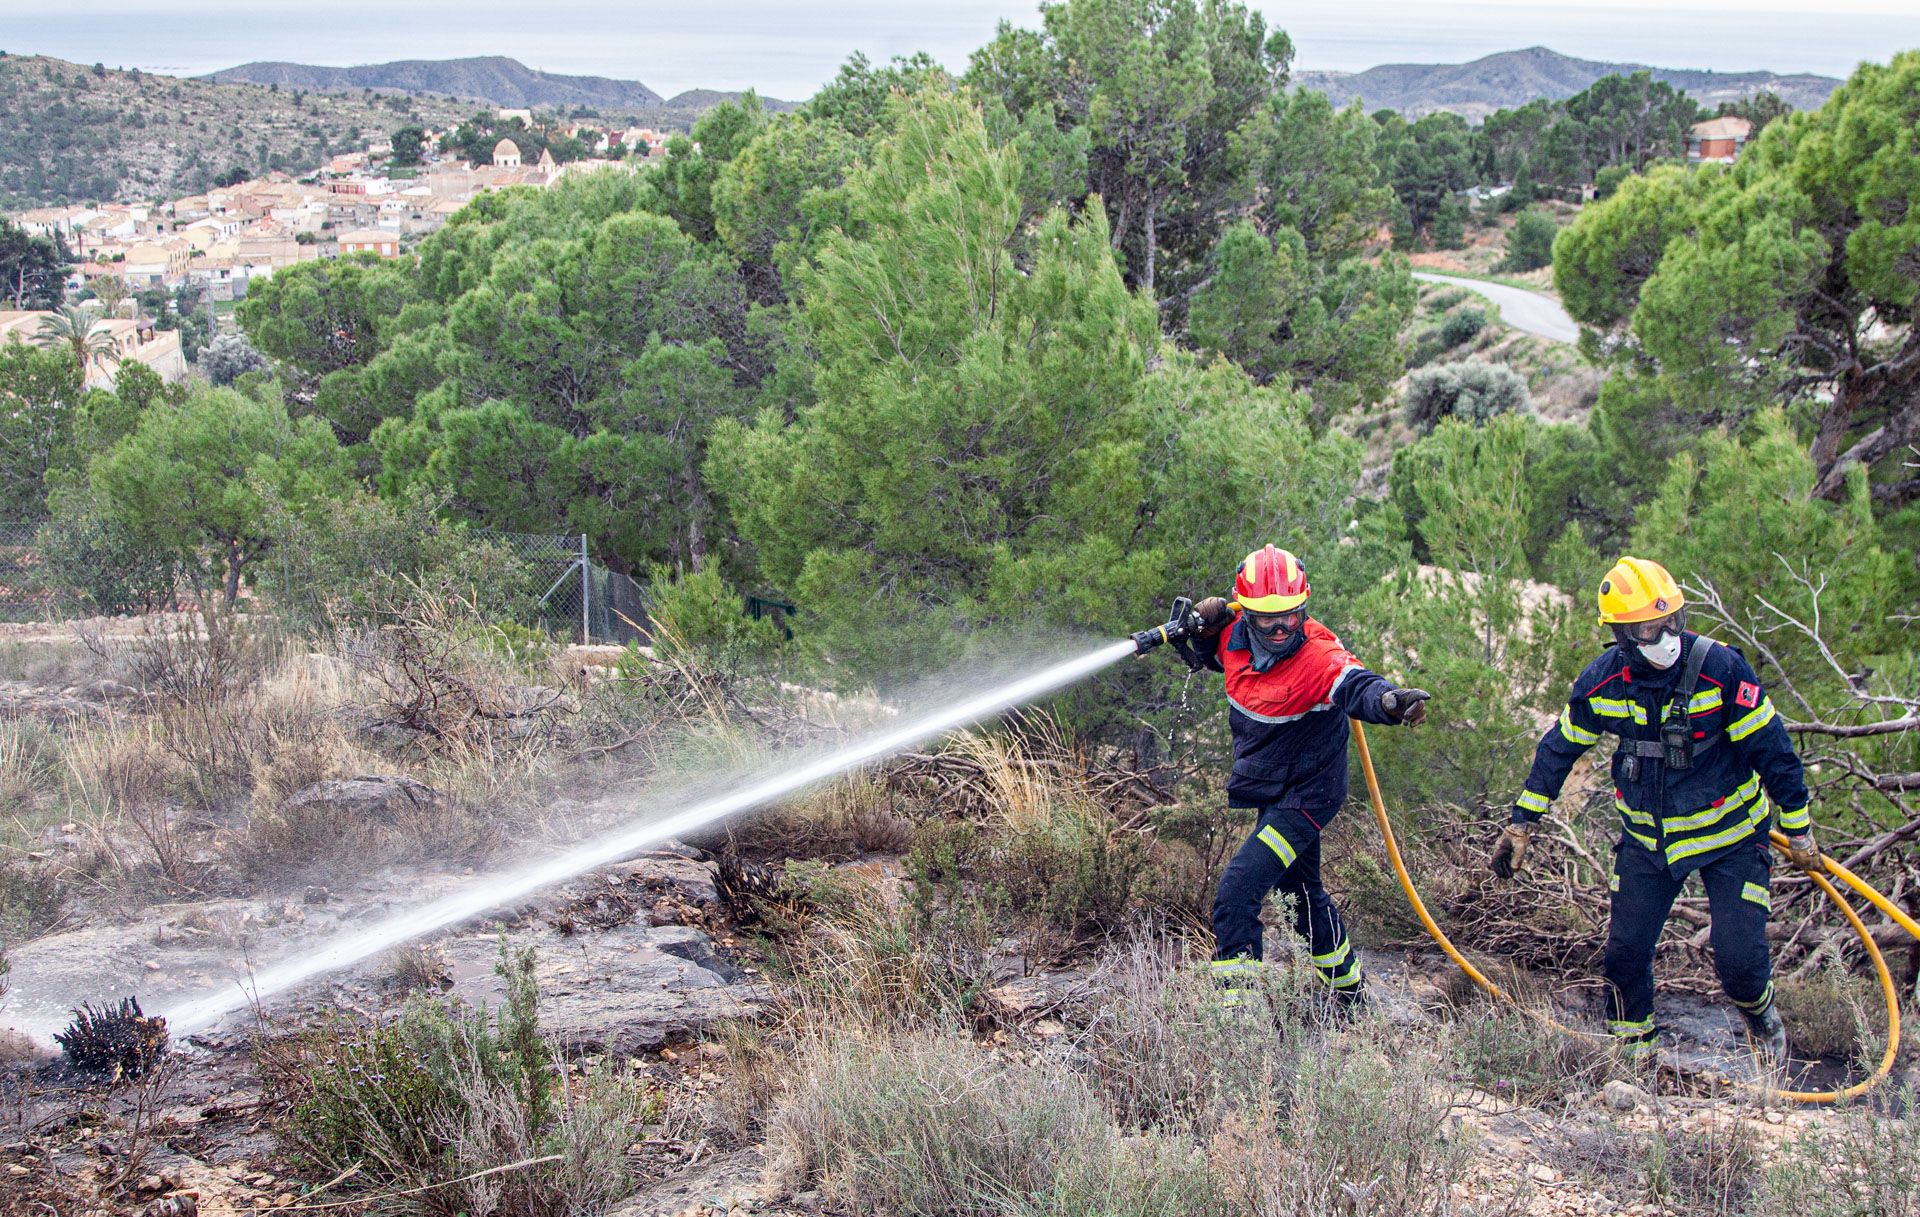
417, 967
1832, 1012
928, 1124
1859, 1164
1515, 1054
1166, 1103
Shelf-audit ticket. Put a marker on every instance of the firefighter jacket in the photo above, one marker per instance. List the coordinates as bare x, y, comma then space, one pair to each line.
1741, 756
1290, 722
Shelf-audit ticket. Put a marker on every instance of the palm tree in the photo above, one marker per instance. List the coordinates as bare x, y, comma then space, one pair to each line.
80, 332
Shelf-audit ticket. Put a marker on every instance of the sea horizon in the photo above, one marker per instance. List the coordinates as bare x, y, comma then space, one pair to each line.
788, 53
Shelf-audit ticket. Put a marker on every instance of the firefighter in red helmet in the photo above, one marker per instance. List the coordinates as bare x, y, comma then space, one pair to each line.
1291, 686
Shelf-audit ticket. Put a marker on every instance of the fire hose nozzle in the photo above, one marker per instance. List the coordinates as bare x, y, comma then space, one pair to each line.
1182, 622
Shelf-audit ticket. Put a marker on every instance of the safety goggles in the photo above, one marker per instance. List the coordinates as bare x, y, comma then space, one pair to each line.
1268, 624
1648, 632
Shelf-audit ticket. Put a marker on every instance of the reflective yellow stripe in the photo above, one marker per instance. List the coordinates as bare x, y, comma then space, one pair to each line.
1278, 844
1752, 722
1634, 1026
1335, 957
1613, 882
1609, 707
1638, 817
1575, 733
1700, 819
1649, 842
1701, 845
1737, 801
1796, 817
1240, 963
1759, 1003
1700, 703
1758, 894
1532, 800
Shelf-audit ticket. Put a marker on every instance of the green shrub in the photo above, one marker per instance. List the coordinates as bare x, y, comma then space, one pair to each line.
1068, 872
1608, 180
370, 558
1530, 242
444, 1092
697, 616
1471, 389
96, 562
1426, 348
1462, 326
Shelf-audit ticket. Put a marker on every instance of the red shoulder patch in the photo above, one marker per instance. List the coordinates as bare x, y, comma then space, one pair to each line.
1748, 696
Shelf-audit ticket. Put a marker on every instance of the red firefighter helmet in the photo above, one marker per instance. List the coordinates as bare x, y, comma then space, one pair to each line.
1270, 581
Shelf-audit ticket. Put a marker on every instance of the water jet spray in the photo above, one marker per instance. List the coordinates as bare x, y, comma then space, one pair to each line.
494, 890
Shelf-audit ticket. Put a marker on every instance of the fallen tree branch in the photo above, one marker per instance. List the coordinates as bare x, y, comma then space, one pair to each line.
1887, 726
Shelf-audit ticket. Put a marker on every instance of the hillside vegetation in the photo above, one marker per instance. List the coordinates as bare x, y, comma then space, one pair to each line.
1513, 78
972, 374
494, 78
71, 133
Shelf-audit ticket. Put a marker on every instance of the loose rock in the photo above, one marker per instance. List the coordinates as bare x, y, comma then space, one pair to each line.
382, 798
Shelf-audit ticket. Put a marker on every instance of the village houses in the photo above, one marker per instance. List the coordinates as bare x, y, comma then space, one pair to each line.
223, 240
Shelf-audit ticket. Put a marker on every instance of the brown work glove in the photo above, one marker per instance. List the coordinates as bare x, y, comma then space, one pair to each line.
1214, 613
1803, 853
1512, 849
1408, 706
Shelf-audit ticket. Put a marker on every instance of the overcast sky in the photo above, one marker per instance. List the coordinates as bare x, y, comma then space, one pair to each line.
787, 49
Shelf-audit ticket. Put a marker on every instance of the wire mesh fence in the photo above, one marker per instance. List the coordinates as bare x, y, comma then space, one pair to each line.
29, 591
572, 596
577, 597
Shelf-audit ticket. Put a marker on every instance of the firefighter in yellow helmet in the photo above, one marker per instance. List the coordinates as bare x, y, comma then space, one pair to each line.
1702, 766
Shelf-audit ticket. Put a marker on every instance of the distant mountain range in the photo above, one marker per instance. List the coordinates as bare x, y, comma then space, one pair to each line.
492, 78
1477, 89
1513, 78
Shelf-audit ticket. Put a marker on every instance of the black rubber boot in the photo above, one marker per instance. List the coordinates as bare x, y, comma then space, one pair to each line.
1768, 1033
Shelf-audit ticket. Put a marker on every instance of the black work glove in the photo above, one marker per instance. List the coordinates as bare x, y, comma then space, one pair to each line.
1407, 706
1214, 615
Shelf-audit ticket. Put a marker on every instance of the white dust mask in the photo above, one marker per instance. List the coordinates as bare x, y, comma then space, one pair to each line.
1664, 653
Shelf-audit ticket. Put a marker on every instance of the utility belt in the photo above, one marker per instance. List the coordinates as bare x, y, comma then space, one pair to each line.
1676, 749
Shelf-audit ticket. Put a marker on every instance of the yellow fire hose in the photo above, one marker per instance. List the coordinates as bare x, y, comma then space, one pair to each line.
1887, 987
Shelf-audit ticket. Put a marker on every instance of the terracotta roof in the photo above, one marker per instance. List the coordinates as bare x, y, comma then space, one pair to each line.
369, 236
1728, 127
504, 148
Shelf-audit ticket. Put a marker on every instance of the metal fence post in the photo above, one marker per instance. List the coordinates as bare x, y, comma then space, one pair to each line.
586, 594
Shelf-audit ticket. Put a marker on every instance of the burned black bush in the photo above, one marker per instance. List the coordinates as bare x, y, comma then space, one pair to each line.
114, 1039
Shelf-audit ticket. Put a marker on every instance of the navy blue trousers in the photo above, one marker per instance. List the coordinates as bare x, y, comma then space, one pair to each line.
1283, 854
1643, 894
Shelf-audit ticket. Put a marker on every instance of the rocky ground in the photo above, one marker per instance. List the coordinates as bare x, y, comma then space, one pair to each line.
645, 964
637, 962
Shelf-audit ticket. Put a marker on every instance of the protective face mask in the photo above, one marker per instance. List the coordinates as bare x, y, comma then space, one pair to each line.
1662, 654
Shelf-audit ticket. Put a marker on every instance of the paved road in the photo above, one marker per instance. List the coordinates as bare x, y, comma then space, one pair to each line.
1523, 310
